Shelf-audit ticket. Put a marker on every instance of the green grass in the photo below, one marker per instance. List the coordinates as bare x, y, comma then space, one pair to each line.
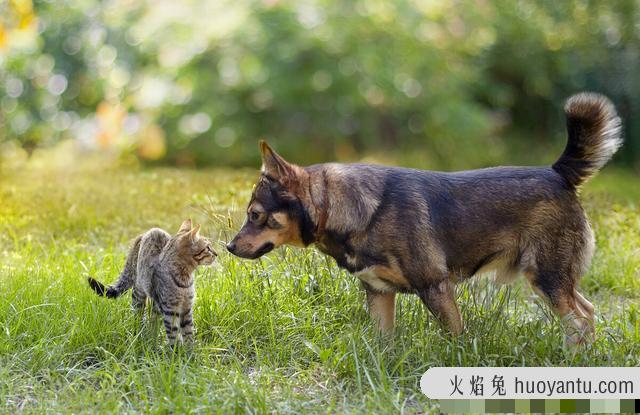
287, 333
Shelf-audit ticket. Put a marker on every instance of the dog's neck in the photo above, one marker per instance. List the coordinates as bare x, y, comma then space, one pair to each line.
322, 209
312, 190
339, 198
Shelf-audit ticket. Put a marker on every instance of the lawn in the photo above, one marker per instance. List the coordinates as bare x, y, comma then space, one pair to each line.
286, 333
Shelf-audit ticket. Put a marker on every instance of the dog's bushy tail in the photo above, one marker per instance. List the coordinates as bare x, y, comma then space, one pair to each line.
595, 134
127, 277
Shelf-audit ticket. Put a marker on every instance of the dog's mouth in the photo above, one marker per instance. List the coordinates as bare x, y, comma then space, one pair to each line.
264, 249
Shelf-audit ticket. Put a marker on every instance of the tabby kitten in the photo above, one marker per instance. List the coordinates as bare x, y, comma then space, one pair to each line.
161, 267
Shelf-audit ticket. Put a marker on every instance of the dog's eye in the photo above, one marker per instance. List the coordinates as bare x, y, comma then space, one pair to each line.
255, 216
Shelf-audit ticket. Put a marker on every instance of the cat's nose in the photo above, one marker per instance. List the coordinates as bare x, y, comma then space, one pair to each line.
231, 247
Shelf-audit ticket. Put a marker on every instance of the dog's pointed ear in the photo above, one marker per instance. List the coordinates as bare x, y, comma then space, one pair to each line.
185, 227
273, 164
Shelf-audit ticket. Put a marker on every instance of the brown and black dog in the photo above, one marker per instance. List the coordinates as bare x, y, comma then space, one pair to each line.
414, 231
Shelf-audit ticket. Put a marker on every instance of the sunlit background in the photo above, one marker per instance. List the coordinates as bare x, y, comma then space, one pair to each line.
439, 84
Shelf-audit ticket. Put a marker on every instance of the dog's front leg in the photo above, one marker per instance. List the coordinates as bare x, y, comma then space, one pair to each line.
382, 308
440, 300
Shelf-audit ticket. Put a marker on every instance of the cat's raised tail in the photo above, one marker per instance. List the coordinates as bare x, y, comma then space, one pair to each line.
127, 277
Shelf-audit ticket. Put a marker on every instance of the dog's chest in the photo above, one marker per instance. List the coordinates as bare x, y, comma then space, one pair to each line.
376, 271
382, 278
370, 277
342, 252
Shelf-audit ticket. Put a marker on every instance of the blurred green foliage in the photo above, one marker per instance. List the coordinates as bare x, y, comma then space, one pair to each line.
198, 82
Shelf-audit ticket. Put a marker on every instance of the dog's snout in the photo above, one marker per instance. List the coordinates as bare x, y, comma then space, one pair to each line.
231, 247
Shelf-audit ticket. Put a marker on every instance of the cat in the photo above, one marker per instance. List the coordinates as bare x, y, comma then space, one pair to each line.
161, 267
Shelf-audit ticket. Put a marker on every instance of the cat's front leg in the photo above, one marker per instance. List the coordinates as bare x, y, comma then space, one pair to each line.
171, 325
186, 326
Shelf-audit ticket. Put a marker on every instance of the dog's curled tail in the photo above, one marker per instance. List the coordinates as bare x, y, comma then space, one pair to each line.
595, 134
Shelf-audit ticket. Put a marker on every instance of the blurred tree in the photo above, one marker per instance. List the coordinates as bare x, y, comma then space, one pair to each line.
199, 82
547, 50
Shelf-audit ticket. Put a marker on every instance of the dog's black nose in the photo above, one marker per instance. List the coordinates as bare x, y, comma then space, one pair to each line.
231, 246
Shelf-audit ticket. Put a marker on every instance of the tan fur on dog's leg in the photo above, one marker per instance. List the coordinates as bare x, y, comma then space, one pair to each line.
573, 309
586, 308
584, 303
440, 300
382, 308
578, 324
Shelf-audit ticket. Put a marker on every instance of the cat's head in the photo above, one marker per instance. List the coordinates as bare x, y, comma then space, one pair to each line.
194, 246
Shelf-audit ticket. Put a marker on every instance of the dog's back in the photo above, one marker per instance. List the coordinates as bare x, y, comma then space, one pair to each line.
490, 215
528, 215
477, 216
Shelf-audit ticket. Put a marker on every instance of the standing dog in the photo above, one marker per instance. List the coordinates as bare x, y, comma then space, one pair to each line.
406, 230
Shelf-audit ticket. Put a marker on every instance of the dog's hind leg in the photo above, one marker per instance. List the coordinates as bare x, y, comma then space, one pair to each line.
382, 308
554, 265
440, 300
585, 304
587, 309
575, 311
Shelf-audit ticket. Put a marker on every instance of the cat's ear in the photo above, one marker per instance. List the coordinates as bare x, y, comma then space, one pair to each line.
273, 164
194, 232
185, 227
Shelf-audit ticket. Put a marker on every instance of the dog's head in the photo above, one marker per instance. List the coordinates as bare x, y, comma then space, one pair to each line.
276, 215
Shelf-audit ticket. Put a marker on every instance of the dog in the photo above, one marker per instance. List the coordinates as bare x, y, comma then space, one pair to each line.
403, 230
